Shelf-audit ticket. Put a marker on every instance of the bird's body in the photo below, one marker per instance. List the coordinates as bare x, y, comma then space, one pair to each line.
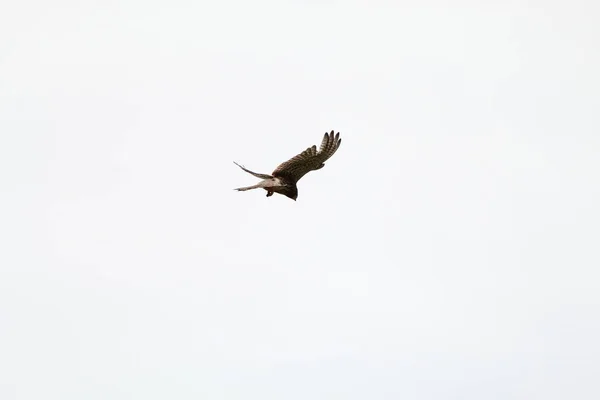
272, 185
283, 180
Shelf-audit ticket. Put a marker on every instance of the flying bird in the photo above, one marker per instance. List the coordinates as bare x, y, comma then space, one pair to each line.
283, 180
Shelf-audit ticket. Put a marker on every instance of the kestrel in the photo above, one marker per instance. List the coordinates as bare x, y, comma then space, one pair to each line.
283, 180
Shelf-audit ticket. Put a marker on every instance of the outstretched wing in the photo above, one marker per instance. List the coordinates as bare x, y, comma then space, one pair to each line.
261, 176
309, 160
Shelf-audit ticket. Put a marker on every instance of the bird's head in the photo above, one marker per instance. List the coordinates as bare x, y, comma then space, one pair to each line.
291, 192
292, 196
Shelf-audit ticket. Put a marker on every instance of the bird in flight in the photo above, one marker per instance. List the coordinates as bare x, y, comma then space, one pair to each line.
283, 180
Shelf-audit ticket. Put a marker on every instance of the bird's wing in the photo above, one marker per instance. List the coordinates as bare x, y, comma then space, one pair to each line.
261, 176
310, 159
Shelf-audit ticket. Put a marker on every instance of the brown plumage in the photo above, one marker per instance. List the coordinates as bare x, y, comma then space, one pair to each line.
284, 178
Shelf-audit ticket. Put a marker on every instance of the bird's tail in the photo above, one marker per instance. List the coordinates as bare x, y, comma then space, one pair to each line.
243, 189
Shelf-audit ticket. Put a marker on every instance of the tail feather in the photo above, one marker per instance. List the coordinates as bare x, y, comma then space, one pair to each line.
242, 189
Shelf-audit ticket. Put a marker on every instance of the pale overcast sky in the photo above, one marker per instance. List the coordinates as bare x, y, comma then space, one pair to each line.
448, 250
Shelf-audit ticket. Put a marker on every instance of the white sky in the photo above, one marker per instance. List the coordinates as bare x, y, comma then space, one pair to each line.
449, 249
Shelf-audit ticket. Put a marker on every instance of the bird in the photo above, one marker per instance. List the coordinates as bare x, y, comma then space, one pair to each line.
284, 178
